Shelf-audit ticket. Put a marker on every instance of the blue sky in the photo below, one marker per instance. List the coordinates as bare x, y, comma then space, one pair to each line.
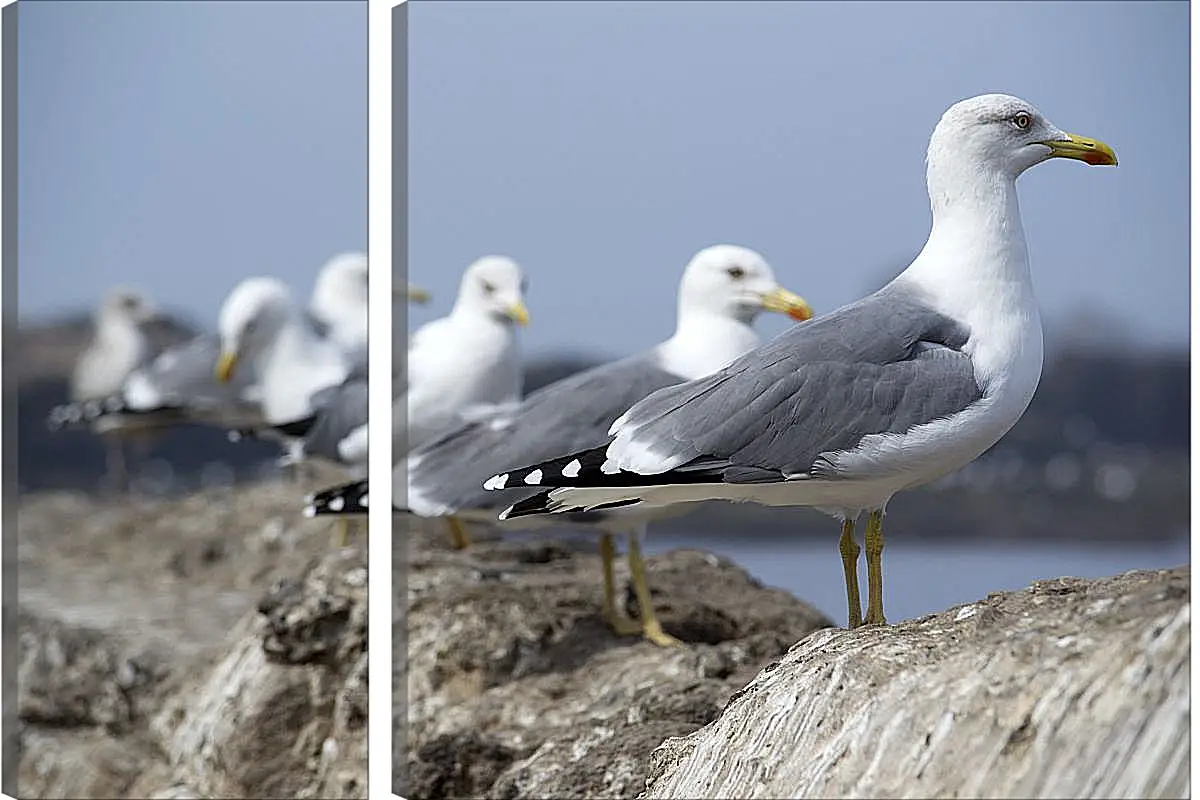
181, 146
601, 144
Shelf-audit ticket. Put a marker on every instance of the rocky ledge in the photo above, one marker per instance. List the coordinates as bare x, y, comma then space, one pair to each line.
209, 646
515, 688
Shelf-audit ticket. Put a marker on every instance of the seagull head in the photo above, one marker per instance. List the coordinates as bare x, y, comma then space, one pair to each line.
495, 286
341, 281
1001, 135
736, 282
128, 305
250, 318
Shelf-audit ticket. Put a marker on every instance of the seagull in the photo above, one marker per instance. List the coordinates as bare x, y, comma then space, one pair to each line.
338, 303
118, 347
180, 386
464, 366
260, 325
259, 372
469, 359
885, 394
722, 291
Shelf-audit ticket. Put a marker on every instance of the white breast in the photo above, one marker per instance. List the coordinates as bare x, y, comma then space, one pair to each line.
454, 367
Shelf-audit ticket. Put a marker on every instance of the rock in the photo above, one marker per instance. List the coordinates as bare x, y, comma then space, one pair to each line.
74, 677
516, 688
1072, 688
243, 673
261, 721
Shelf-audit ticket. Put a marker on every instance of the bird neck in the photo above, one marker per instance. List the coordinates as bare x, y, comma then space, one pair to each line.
704, 342
473, 313
292, 342
115, 329
346, 318
976, 253
975, 268
335, 307
293, 365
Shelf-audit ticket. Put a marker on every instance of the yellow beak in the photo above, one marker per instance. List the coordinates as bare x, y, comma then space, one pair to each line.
416, 294
1081, 148
225, 366
518, 312
781, 301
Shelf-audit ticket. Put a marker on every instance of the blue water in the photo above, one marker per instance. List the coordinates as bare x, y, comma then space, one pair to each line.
924, 577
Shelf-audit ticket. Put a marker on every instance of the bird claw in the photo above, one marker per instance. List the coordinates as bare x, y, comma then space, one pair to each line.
622, 625
654, 633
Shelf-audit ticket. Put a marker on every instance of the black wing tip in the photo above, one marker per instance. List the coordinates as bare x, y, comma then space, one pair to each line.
556, 472
346, 498
83, 412
538, 504
542, 503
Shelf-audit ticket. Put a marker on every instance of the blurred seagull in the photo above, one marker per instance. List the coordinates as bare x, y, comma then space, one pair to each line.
465, 365
119, 346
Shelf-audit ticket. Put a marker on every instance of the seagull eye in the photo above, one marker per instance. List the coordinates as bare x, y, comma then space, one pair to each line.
1022, 120
737, 273
488, 288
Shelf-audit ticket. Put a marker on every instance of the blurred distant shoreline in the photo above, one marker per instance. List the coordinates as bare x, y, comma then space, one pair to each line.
1102, 453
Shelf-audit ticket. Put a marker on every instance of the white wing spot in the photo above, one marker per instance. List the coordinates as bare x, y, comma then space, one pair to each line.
309, 511
364, 500
609, 467
496, 482
337, 504
534, 478
572, 469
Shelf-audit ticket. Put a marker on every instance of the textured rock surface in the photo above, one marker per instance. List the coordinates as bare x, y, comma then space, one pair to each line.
1071, 688
516, 688
213, 645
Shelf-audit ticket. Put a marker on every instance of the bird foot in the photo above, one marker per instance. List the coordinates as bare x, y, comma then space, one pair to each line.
653, 632
622, 625
874, 618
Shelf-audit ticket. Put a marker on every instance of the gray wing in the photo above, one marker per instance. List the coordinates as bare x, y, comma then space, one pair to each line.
185, 375
178, 386
163, 333
568, 415
885, 364
339, 411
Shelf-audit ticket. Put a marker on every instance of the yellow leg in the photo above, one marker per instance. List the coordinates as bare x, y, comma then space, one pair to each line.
458, 534
343, 532
874, 546
620, 624
850, 551
651, 629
